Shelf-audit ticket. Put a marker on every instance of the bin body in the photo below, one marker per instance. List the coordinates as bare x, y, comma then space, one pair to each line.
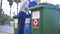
50, 21
45, 19
27, 27
59, 24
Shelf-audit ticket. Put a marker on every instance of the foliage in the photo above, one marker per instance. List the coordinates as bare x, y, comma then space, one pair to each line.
4, 18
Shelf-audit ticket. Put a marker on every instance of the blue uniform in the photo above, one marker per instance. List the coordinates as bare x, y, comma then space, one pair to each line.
21, 22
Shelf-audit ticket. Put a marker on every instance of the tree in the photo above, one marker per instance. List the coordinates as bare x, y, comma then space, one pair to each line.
10, 3
17, 1
4, 18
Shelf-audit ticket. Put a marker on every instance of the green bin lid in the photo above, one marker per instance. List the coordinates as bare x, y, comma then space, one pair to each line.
44, 5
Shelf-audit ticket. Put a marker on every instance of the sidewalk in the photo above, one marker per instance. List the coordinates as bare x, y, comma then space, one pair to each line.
6, 33
6, 29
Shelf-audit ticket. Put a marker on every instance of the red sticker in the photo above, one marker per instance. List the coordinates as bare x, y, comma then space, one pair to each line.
35, 23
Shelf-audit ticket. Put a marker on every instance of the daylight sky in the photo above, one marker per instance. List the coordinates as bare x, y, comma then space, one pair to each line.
6, 7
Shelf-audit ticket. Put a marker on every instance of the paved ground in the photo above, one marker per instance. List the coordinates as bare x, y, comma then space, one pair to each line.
6, 33
6, 29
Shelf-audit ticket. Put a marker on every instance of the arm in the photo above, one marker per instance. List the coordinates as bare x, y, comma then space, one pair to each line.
23, 5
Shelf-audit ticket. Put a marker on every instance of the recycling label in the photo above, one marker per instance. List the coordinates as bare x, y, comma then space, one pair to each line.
27, 22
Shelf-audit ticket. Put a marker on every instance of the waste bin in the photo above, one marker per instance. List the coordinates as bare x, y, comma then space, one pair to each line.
27, 27
45, 19
59, 24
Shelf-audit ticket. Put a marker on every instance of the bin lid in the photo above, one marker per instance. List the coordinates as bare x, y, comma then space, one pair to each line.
44, 5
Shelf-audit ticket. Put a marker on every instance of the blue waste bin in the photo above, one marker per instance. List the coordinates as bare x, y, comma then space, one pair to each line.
27, 27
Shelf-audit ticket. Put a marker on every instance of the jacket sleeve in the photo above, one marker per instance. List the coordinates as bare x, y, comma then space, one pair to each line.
23, 4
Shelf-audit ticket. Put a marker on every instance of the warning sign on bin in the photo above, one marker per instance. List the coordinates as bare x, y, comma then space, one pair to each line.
35, 19
35, 23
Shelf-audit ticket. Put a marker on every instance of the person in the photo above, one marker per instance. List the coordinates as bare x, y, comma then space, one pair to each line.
22, 15
21, 20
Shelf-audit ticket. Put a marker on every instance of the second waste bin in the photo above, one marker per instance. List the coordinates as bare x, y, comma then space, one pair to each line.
45, 19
